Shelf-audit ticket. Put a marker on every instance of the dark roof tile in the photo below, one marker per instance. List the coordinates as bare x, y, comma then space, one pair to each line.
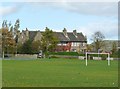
81, 37
32, 35
61, 36
72, 37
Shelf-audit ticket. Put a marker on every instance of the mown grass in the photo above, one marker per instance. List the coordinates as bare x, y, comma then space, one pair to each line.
59, 73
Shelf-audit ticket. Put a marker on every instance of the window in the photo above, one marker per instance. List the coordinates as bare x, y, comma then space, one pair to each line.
22, 37
59, 44
73, 43
84, 44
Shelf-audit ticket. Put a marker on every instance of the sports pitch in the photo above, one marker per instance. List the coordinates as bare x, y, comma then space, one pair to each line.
59, 73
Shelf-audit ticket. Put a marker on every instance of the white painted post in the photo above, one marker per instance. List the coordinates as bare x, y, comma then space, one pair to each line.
108, 59
86, 58
98, 54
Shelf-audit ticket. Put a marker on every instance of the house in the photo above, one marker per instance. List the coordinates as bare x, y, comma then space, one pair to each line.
108, 45
68, 41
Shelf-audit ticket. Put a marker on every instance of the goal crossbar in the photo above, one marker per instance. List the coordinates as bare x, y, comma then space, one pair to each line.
98, 54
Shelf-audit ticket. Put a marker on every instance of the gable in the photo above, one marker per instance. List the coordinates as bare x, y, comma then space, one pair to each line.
32, 35
38, 36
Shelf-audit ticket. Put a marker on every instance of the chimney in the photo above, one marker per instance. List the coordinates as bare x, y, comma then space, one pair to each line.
65, 32
75, 32
27, 32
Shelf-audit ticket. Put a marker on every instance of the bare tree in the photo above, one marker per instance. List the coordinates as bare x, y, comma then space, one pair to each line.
98, 42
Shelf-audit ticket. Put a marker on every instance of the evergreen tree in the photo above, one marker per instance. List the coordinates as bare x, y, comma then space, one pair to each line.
26, 47
48, 41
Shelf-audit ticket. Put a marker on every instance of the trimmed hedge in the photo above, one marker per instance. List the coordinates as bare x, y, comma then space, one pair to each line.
64, 53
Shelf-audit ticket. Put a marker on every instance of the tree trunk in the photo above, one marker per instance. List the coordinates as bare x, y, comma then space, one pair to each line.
16, 50
3, 55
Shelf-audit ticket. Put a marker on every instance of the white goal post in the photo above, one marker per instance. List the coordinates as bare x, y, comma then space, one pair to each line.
98, 54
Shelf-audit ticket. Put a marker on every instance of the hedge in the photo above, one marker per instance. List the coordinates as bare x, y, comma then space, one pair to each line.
64, 53
75, 54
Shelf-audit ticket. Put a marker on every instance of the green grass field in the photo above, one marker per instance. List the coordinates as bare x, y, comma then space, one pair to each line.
59, 73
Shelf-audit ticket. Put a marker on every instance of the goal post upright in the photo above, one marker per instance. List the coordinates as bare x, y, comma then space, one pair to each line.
108, 59
86, 58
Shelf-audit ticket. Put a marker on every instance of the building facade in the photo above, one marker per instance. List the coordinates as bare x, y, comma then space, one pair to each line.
109, 45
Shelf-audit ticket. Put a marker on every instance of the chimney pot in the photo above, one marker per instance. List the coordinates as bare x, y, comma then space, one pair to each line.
65, 31
75, 32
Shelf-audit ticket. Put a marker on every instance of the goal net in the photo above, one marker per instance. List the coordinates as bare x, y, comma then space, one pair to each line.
108, 58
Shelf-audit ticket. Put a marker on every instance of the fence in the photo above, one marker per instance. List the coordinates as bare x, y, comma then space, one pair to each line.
22, 57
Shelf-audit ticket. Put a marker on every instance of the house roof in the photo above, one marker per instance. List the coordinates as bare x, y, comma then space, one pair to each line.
60, 35
81, 37
32, 35
71, 37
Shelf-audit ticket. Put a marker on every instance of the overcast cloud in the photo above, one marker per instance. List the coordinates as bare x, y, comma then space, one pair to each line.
90, 8
84, 8
6, 10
